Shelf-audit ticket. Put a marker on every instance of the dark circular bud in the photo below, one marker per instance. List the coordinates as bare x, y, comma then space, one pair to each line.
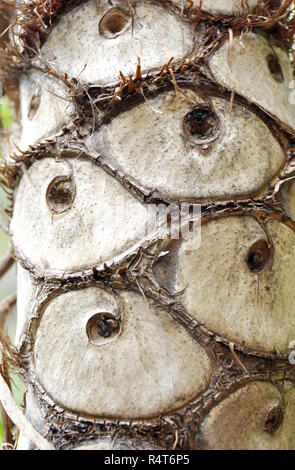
60, 194
259, 256
201, 125
113, 23
275, 67
102, 326
273, 419
34, 102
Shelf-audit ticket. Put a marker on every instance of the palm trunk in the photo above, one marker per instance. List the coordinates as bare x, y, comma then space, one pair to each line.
146, 338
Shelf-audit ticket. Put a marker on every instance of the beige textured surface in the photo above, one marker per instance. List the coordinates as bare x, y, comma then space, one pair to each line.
287, 197
153, 366
225, 7
53, 107
154, 363
248, 74
102, 62
103, 221
233, 301
151, 147
237, 422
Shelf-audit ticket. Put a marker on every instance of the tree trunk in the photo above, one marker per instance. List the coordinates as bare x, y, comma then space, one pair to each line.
131, 334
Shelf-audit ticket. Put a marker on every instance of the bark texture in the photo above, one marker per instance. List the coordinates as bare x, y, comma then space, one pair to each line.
130, 339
